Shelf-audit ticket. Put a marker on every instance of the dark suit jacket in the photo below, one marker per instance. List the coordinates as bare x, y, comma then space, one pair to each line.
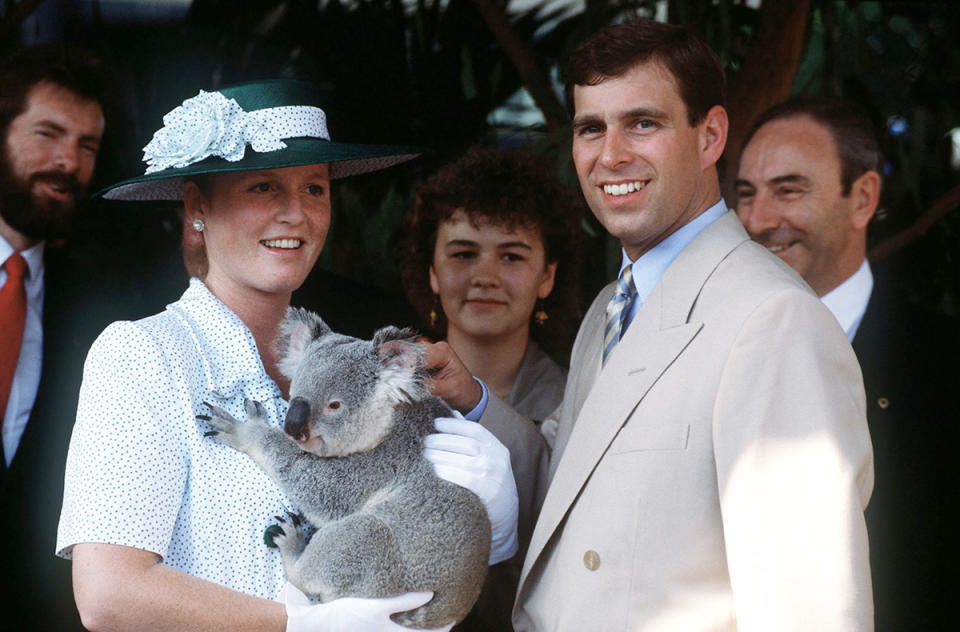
909, 359
118, 266
35, 590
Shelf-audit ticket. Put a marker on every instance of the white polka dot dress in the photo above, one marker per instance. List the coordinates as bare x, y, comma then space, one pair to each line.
140, 472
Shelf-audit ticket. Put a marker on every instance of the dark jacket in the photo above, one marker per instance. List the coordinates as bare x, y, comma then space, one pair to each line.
909, 359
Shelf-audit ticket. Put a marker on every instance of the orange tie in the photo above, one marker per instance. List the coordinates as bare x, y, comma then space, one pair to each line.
13, 313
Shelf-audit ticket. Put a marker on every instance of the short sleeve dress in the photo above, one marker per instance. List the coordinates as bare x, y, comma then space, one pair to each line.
141, 473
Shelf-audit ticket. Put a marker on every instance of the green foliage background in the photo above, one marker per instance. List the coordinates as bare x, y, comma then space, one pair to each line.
430, 73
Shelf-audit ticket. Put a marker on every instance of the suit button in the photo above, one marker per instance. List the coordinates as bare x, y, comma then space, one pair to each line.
591, 560
883, 403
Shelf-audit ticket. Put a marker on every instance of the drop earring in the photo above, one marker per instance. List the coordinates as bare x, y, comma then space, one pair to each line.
434, 316
198, 225
540, 316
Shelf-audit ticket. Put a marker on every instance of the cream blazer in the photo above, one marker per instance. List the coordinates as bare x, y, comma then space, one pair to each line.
713, 475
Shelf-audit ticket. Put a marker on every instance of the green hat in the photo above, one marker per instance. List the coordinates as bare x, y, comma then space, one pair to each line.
257, 125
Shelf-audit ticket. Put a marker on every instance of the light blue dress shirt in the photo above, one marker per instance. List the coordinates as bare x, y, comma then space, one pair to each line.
647, 272
649, 268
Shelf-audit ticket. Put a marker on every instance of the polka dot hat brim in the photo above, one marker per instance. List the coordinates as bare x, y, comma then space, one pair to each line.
249, 127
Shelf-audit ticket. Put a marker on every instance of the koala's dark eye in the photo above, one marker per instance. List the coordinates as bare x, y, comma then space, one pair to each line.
334, 405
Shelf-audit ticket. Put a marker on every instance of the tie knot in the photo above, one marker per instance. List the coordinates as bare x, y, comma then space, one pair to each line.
625, 282
16, 266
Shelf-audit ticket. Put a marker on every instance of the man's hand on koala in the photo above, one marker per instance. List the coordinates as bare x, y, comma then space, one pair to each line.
349, 614
449, 379
467, 454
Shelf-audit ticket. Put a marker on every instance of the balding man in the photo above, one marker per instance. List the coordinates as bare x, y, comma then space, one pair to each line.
808, 185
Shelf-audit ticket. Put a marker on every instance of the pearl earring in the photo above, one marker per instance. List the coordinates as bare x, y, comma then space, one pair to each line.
198, 225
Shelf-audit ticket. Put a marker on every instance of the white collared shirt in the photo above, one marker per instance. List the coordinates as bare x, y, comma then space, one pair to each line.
140, 471
848, 301
26, 377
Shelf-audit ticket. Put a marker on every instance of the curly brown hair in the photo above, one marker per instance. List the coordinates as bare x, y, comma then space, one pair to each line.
509, 188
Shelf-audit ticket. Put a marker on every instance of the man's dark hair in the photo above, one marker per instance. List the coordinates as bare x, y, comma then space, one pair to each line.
853, 133
509, 188
66, 65
614, 50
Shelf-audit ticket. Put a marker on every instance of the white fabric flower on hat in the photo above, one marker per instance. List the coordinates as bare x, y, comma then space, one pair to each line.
208, 124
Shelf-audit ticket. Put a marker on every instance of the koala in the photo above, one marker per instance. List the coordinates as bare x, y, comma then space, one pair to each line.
350, 456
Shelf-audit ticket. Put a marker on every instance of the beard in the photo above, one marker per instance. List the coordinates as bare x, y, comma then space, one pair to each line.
38, 217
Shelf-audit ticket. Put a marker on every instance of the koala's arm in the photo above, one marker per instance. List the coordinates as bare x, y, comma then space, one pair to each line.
267, 446
322, 489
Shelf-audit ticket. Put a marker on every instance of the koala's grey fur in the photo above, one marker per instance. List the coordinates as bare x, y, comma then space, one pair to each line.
351, 459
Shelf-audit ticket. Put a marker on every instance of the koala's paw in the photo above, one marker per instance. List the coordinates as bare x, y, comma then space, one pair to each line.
288, 536
255, 411
230, 431
221, 421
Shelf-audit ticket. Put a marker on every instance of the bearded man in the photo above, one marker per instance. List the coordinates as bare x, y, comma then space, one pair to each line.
51, 124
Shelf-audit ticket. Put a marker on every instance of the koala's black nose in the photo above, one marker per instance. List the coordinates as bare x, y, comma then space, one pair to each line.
298, 418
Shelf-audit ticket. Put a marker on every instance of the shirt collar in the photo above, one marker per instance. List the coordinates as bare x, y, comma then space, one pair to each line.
848, 301
649, 268
227, 348
32, 255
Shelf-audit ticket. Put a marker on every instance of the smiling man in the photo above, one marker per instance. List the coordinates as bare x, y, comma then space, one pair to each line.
712, 461
808, 185
51, 125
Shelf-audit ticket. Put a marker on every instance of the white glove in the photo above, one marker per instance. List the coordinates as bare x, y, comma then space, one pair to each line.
468, 455
348, 614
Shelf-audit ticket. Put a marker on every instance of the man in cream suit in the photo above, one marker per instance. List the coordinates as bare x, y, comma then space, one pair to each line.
711, 468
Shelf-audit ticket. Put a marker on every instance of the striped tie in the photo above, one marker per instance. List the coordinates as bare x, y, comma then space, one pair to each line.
619, 305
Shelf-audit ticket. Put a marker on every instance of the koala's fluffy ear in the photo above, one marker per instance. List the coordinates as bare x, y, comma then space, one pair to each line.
297, 331
400, 360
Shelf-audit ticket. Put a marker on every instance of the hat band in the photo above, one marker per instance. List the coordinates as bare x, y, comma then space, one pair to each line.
210, 124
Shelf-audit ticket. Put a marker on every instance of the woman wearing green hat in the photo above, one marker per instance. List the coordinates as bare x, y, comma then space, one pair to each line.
163, 525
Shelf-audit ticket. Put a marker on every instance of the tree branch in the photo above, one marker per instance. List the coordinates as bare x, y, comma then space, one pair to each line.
943, 205
767, 73
533, 79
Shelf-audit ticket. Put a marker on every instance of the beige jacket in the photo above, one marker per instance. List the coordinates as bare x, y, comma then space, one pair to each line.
713, 475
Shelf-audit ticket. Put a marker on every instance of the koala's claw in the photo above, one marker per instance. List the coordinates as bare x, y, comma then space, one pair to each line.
295, 519
211, 433
220, 419
289, 538
254, 409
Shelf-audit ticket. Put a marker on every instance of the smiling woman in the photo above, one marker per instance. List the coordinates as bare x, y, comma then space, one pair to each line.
489, 260
164, 526
263, 229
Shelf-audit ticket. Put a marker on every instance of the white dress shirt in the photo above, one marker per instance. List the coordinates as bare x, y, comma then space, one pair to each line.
848, 301
26, 378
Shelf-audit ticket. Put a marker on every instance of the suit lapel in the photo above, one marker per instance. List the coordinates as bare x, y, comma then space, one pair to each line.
660, 332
